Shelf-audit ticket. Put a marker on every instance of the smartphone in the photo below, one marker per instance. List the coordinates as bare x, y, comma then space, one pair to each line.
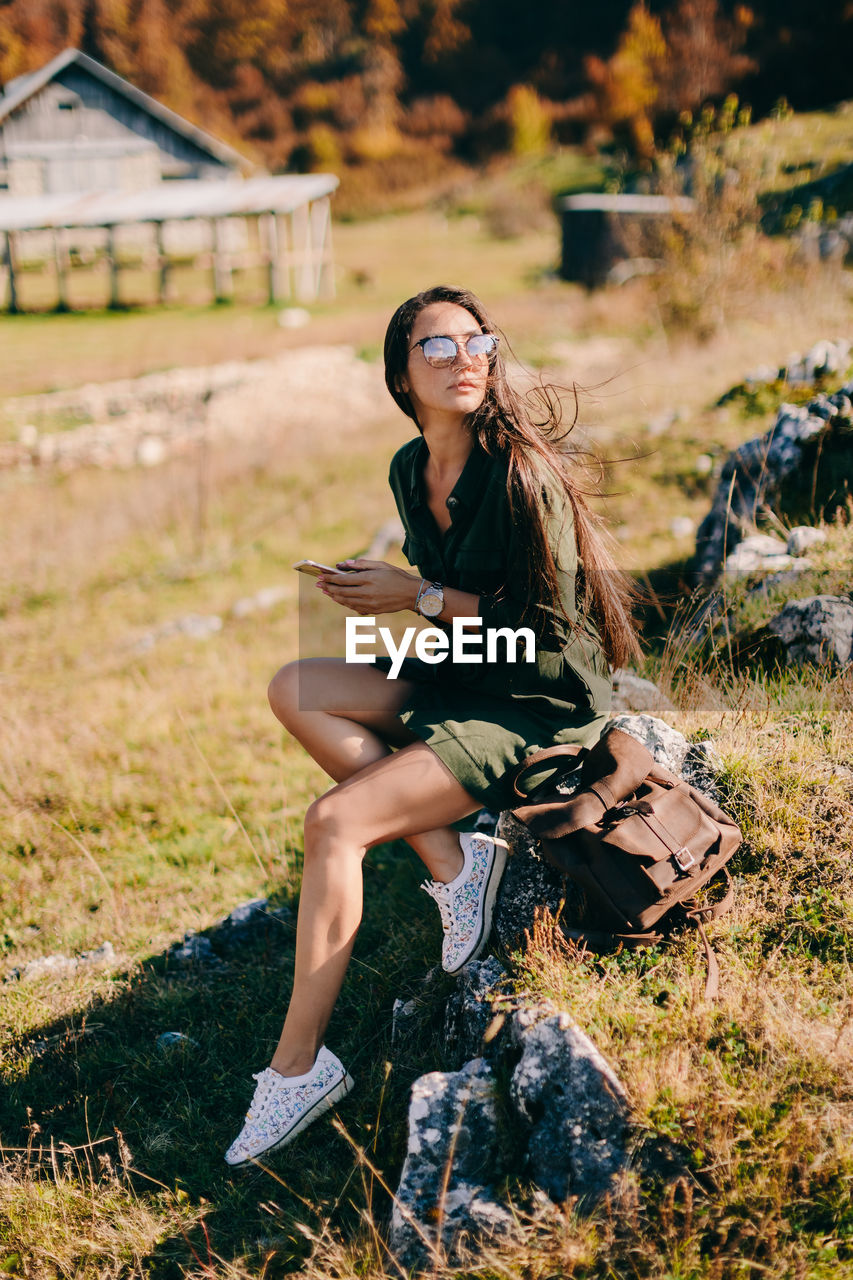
314, 568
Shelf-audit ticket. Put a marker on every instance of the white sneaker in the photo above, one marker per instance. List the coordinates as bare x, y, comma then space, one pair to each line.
284, 1105
466, 903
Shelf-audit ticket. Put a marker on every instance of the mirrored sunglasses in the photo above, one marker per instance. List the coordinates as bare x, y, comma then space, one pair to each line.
441, 351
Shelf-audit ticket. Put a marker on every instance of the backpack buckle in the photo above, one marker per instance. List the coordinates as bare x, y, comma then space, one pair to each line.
684, 859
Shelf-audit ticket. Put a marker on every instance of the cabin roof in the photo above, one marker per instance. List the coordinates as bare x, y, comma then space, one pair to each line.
168, 201
25, 87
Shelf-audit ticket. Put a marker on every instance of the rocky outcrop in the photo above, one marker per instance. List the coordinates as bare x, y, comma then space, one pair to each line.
575, 1107
817, 630
562, 1123
145, 421
446, 1195
802, 440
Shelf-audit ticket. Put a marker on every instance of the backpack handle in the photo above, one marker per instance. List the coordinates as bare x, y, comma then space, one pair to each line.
539, 757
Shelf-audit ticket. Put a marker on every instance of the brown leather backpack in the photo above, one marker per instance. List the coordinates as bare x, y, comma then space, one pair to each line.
639, 840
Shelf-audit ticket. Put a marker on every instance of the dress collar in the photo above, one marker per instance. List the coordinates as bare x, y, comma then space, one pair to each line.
468, 490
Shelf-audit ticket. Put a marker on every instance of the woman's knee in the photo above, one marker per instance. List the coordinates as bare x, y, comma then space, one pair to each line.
330, 826
283, 692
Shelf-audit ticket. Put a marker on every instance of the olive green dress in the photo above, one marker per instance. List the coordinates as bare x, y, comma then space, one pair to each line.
483, 719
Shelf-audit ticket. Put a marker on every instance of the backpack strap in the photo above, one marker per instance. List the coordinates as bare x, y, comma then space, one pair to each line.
695, 915
540, 757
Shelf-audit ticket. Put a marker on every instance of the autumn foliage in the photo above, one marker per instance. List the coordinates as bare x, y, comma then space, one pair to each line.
337, 83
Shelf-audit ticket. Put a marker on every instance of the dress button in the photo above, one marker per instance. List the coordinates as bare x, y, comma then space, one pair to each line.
452, 502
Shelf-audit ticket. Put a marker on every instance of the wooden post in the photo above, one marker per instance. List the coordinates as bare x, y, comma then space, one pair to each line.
300, 221
162, 264
268, 232
285, 257
112, 262
321, 237
9, 259
60, 258
223, 282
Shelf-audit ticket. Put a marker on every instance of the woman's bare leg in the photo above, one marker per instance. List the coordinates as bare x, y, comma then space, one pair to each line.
400, 793
345, 717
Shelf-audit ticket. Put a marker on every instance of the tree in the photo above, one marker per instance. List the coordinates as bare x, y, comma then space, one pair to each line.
703, 58
627, 86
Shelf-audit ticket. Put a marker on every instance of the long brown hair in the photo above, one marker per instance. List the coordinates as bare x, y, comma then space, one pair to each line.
522, 429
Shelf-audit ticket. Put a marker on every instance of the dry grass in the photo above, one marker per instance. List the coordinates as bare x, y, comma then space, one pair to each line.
144, 794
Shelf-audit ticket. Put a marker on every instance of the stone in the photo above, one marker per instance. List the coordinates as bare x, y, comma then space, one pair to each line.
262, 600
58, 965
682, 527
247, 924
743, 563
196, 951
469, 1013
404, 1015
197, 626
529, 886
825, 357
632, 693
445, 1198
817, 630
293, 318
802, 538
150, 451
750, 481
573, 1105
667, 745
175, 1040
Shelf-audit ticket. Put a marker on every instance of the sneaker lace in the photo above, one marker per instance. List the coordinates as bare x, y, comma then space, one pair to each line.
442, 897
263, 1089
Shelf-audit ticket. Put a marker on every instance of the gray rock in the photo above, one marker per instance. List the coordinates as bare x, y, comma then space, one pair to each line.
197, 626
817, 630
247, 924
469, 1013
632, 693
195, 951
574, 1106
266, 598
701, 768
750, 481
445, 1197
404, 1015
175, 1040
667, 745
802, 537
58, 965
529, 885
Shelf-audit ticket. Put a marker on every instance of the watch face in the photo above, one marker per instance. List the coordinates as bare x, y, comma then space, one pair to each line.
431, 603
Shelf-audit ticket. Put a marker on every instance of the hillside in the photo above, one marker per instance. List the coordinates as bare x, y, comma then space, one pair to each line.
146, 792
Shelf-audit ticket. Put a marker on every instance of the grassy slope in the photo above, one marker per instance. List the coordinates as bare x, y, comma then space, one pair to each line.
145, 795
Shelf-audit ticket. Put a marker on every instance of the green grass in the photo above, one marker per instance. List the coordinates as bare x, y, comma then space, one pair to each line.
146, 794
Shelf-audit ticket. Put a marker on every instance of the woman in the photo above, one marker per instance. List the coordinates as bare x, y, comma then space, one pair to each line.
499, 531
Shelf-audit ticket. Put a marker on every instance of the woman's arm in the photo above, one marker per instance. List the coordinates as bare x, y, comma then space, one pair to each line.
376, 587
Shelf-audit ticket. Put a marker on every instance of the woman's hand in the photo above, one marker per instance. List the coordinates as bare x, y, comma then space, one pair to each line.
371, 588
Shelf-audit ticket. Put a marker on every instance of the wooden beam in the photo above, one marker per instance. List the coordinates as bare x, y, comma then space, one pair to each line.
268, 237
223, 280
9, 260
303, 266
114, 303
285, 257
321, 238
60, 258
162, 264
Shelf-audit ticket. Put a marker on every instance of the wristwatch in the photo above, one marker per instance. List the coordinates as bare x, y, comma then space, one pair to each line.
430, 601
